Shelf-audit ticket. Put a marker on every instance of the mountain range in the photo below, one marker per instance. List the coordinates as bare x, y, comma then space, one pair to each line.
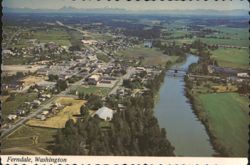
68, 9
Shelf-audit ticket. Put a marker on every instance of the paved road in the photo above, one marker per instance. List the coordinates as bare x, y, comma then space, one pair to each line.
130, 71
21, 121
72, 28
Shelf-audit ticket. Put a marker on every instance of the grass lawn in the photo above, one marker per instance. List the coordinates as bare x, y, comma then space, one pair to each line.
150, 56
228, 117
101, 91
231, 57
10, 107
21, 141
59, 120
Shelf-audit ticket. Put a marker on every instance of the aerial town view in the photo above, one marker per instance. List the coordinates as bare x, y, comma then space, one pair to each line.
82, 78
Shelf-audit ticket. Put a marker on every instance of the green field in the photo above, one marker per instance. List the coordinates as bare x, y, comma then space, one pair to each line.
22, 138
59, 36
237, 37
101, 91
10, 107
231, 57
151, 56
228, 117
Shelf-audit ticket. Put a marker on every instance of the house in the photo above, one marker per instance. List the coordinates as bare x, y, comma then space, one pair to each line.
7, 52
121, 92
63, 76
105, 113
41, 117
148, 44
43, 72
243, 75
42, 99
45, 113
36, 102
88, 42
140, 68
92, 58
21, 112
12, 117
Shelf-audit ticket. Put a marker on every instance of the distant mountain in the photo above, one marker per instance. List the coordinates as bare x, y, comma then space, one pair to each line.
68, 9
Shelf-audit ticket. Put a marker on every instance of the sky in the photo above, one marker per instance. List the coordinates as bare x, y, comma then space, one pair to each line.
130, 5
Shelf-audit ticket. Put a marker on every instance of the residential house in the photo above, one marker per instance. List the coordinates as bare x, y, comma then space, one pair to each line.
12, 117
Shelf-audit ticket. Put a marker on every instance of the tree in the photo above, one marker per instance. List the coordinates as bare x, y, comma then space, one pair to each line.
84, 110
81, 95
61, 85
53, 77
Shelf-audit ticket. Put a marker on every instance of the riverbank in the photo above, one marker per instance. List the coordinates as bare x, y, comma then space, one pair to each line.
224, 115
197, 110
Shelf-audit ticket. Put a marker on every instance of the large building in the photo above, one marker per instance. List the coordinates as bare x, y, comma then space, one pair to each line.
94, 79
105, 113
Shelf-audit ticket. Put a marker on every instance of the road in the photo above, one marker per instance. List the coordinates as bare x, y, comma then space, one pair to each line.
203, 76
72, 28
130, 71
21, 121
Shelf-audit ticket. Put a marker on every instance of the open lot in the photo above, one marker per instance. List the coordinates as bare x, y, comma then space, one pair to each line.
22, 141
228, 117
30, 80
59, 120
101, 91
149, 56
231, 57
13, 69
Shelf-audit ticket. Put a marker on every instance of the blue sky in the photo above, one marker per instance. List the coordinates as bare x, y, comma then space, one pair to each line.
132, 5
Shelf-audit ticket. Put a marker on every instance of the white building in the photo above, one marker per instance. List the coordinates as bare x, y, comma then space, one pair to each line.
242, 75
12, 117
105, 113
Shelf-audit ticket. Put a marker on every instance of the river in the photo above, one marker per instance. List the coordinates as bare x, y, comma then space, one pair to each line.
174, 113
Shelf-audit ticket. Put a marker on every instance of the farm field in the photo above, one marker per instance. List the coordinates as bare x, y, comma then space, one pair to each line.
59, 36
10, 107
22, 141
231, 57
150, 56
238, 36
59, 120
227, 115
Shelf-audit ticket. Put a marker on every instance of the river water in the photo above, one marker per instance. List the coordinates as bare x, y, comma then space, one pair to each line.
174, 112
